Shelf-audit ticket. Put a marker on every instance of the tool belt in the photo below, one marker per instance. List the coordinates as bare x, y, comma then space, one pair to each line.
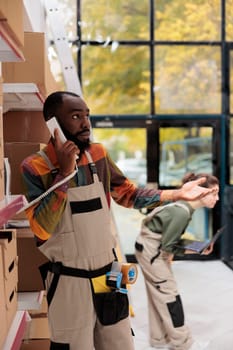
58, 269
111, 307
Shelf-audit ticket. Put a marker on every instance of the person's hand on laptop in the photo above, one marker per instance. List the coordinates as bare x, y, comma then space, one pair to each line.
208, 250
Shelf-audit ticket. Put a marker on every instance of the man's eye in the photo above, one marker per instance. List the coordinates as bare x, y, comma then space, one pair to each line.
75, 117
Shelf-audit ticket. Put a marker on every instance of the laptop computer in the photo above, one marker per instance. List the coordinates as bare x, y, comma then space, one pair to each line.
200, 246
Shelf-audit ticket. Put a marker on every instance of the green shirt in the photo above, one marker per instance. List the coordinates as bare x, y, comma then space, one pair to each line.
171, 222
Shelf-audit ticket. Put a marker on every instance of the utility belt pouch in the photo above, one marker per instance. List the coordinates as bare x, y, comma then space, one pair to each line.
111, 307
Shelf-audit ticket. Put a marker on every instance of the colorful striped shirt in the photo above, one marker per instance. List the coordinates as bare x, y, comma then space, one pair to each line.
37, 177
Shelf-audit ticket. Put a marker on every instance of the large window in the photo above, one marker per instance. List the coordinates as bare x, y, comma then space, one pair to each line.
116, 81
187, 79
195, 20
151, 56
104, 21
142, 61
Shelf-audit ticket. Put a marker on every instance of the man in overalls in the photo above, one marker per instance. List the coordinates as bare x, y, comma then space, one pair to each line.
73, 229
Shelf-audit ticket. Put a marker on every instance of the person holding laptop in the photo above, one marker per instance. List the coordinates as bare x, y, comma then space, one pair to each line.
155, 247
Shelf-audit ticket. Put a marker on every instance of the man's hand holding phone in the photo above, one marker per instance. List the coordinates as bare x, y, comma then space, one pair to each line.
53, 124
67, 154
66, 151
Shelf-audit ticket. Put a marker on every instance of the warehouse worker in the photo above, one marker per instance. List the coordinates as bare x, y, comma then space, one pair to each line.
159, 240
72, 228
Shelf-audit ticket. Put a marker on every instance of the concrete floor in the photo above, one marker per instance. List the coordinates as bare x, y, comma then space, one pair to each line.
206, 288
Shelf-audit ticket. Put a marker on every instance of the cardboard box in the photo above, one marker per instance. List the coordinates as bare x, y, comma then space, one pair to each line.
35, 68
12, 280
1, 139
35, 344
30, 258
2, 178
38, 327
11, 12
2, 184
12, 29
11, 307
9, 250
25, 126
3, 328
10, 273
16, 152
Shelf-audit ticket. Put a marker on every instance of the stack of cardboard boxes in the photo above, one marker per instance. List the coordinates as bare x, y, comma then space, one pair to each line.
23, 63
8, 280
25, 133
1, 147
22, 132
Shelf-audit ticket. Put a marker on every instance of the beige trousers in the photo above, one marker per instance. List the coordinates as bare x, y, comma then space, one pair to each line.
165, 310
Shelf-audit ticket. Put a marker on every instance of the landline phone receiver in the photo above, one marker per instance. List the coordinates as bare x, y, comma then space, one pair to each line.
52, 125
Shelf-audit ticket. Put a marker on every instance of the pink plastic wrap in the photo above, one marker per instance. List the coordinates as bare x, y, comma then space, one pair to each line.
9, 208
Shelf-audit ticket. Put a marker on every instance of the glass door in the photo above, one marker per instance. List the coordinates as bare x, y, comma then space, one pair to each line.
184, 150
159, 155
127, 147
185, 147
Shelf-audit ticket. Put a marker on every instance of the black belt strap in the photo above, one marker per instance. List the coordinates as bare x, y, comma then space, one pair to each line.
58, 269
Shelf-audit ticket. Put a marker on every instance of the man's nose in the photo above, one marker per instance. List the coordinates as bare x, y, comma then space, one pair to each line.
85, 121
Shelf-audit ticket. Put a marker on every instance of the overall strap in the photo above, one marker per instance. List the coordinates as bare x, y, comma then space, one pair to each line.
155, 211
92, 167
88, 155
50, 164
50, 189
46, 158
160, 208
184, 207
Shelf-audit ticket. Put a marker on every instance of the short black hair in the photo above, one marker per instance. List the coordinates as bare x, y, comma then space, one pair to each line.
53, 102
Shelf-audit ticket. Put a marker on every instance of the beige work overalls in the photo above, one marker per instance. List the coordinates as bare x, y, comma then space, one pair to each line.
83, 245
165, 309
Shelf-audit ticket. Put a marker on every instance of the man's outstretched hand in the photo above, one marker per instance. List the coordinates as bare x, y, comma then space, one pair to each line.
191, 190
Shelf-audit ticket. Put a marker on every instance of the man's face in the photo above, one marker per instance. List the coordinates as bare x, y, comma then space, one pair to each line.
73, 117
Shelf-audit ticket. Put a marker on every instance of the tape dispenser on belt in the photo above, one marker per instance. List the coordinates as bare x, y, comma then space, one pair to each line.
129, 273
121, 274
114, 277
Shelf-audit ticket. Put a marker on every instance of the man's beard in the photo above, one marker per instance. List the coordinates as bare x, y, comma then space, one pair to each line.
81, 145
